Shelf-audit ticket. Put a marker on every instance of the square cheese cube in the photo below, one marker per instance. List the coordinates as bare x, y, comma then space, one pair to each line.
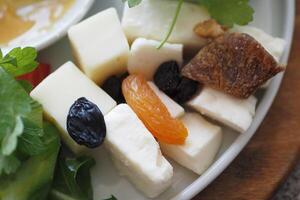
135, 152
152, 19
201, 146
233, 112
100, 46
275, 46
145, 58
60, 90
174, 108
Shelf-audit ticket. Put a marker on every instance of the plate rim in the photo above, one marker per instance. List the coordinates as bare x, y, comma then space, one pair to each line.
238, 145
54, 35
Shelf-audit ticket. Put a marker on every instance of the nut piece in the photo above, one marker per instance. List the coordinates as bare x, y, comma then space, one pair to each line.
209, 29
234, 63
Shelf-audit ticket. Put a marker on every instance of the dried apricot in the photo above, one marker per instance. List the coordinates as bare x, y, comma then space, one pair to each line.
154, 114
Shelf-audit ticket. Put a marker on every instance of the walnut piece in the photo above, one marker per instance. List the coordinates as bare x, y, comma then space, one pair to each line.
209, 29
234, 63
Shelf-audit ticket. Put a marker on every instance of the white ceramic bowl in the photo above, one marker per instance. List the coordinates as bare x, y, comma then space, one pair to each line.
273, 16
58, 30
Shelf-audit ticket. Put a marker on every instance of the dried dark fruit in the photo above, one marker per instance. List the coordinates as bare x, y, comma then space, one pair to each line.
113, 87
169, 80
85, 123
167, 77
185, 90
235, 63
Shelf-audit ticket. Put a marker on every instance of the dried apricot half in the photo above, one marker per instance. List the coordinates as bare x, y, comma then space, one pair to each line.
154, 114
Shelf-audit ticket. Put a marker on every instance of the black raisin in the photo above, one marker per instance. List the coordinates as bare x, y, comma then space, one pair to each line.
85, 123
167, 77
185, 90
113, 87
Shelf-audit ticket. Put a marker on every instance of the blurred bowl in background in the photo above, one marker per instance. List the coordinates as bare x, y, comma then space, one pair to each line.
48, 25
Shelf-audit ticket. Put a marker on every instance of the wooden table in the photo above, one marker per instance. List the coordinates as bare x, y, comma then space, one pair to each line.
273, 151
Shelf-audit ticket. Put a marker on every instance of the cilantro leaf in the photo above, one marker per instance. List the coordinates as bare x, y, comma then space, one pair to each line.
72, 179
30, 142
9, 142
20, 123
14, 103
19, 61
229, 12
33, 178
132, 3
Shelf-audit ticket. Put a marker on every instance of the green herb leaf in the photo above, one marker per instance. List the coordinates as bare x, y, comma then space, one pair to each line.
20, 122
9, 142
33, 178
30, 142
132, 3
19, 61
229, 12
26, 85
72, 179
14, 104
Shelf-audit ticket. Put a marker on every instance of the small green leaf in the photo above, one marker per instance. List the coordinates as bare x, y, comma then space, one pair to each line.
72, 179
229, 12
19, 61
132, 3
30, 142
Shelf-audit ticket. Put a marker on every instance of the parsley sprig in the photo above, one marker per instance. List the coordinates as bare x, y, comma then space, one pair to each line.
21, 120
225, 12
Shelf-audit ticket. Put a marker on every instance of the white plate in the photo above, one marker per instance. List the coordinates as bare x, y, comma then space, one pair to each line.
275, 17
59, 29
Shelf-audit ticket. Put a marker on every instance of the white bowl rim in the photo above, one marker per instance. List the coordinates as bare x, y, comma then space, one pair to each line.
54, 35
237, 146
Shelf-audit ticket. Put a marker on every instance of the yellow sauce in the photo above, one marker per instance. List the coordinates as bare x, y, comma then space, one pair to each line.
29, 16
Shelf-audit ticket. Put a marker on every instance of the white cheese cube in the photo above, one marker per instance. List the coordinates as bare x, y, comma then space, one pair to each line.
135, 151
201, 146
233, 112
100, 46
60, 90
275, 46
145, 58
152, 19
173, 107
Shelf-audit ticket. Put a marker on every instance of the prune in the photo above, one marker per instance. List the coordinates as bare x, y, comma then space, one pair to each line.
169, 80
185, 90
113, 87
85, 123
167, 77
